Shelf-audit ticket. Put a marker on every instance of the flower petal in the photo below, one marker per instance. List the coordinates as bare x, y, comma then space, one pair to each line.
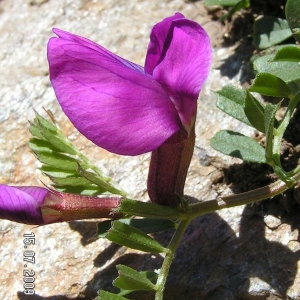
158, 37
22, 204
179, 57
109, 100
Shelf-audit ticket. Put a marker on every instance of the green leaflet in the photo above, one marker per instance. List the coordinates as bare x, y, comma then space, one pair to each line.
237, 145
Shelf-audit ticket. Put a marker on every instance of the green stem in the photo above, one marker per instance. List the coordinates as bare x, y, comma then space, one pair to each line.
163, 274
276, 188
294, 100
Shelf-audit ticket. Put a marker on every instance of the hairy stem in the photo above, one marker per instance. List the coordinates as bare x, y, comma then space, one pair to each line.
168, 169
294, 100
276, 188
162, 278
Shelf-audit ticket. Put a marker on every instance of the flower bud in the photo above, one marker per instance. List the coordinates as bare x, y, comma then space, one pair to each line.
168, 169
39, 206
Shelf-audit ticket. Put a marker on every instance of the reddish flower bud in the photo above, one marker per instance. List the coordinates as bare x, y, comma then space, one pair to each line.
39, 206
168, 168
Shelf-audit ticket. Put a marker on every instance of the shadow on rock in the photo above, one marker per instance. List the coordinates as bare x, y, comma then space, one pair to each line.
103, 279
212, 262
22, 296
221, 265
87, 230
238, 61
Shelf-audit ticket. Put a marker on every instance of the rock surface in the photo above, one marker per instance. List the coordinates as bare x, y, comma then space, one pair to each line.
239, 253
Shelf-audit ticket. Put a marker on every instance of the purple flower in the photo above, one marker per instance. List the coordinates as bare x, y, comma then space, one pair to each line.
121, 106
22, 204
39, 206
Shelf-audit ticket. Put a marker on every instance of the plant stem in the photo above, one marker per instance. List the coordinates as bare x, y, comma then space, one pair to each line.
294, 100
162, 277
276, 188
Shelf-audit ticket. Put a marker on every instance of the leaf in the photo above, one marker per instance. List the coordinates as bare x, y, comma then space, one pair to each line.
237, 145
46, 131
288, 53
38, 145
254, 111
70, 181
130, 279
231, 100
35, 131
54, 172
149, 210
269, 31
131, 237
148, 225
152, 276
270, 85
288, 71
103, 295
145, 225
102, 182
44, 123
221, 2
238, 6
102, 228
292, 12
87, 190
270, 112
58, 141
57, 160
66, 166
